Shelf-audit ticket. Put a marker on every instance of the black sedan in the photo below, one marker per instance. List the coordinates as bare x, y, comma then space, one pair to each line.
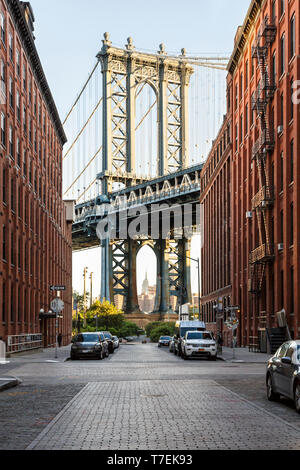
89, 345
164, 341
283, 373
110, 341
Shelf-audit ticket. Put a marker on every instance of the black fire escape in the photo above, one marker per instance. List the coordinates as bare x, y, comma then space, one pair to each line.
264, 199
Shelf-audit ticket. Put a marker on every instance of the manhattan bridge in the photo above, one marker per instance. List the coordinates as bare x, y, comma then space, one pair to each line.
139, 132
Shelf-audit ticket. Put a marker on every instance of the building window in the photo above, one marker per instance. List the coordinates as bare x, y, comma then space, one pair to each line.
18, 152
246, 119
252, 110
292, 224
273, 11
281, 110
11, 92
281, 171
13, 260
236, 98
246, 74
3, 129
282, 7
25, 163
18, 64
291, 102
18, 105
24, 77
3, 77
293, 36
274, 74
282, 288
292, 291
292, 161
24, 119
4, 243
241, 129
11, 47
2, 26
281, 227
236, 138
241, 85
11, 141
282, 54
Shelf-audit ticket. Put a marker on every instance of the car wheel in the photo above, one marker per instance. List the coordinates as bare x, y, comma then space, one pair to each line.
107, 353
213, 358
73, 358
297, 397
272, 396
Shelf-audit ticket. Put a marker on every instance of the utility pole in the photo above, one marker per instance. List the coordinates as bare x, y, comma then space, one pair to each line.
91, 290
84, 295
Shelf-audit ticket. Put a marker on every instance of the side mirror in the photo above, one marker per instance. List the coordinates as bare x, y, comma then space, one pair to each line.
286, 360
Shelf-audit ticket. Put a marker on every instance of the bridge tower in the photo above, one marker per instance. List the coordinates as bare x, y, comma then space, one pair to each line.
124, 72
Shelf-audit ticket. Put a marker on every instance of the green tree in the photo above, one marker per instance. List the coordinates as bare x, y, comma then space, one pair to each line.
164, 329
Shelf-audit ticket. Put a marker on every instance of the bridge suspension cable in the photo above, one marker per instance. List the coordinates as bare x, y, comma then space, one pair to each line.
81, 93
84, 127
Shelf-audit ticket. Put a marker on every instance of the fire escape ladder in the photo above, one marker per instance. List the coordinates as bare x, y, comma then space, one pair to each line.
263, 254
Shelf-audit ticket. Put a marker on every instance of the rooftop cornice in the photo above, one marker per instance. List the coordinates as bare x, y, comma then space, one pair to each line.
18, 17
250, 19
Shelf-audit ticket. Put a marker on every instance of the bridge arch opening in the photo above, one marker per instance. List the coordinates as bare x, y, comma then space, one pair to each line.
146, 130
146, 278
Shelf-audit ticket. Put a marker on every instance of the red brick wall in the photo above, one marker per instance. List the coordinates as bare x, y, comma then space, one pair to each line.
245, 183
36, 251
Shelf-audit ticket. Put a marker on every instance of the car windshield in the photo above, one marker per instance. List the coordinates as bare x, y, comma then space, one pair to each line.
198, 335
107, 335
165, 337
87, 338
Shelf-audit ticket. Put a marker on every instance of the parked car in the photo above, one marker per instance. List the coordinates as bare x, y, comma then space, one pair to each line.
182, 327
116, 342
283, 373
89, 345
199, 344
164, 341
110, 341
172, 344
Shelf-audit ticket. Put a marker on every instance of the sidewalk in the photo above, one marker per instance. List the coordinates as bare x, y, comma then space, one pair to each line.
243, 355
46, 355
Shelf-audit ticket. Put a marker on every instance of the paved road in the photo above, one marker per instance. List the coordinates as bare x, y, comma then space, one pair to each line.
144, 398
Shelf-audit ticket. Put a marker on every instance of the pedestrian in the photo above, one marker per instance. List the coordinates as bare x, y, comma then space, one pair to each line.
220, 340
59, 339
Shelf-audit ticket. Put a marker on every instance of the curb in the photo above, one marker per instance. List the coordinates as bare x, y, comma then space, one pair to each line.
9, 382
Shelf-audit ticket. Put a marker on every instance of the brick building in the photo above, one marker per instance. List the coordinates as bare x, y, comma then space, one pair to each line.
216, 246
265, 172
35, 236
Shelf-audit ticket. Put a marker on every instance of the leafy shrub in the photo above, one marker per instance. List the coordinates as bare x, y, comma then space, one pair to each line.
164, 329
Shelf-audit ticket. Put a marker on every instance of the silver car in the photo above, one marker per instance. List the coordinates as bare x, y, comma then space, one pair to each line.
283, 373
116, 342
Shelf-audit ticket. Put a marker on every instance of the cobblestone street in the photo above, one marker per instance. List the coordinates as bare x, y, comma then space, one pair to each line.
142, 397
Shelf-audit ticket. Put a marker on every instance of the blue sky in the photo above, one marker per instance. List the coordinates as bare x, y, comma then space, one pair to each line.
69, 33
68, 37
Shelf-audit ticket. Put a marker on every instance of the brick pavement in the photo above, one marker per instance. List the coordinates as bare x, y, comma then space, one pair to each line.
146, 398
158, 415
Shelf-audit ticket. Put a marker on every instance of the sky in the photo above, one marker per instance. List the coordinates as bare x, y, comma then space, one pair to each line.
69, 34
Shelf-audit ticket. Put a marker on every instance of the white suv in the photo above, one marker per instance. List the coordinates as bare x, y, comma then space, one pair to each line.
199, 344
